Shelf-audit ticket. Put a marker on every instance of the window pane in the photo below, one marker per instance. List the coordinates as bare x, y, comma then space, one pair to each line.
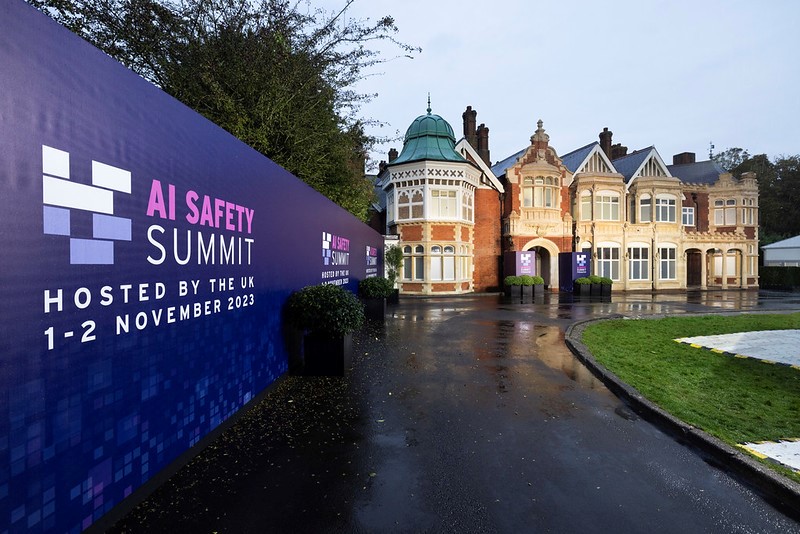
406, 268
449, 267
419, 268
436, 268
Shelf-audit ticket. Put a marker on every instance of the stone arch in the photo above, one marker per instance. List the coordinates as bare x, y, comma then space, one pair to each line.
549, 267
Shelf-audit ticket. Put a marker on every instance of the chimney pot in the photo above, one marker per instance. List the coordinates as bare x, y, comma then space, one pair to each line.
683, 158
605, 141
392, 154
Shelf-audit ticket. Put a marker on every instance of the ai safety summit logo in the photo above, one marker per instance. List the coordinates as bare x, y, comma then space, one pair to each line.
61, 195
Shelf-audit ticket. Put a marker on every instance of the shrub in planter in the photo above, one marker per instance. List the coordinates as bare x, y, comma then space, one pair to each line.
374, 291
605, 286
595, 284
538, 285
526, 281
509, 282
581, 286
325, 317
394, 262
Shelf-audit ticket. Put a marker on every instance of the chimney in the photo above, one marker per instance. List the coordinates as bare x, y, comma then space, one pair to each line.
392, 154
605, 142
469, 126
618, 151
381, 167
483, 143
683, 158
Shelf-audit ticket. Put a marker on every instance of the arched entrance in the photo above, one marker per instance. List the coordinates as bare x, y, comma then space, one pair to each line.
546, 260
694, 268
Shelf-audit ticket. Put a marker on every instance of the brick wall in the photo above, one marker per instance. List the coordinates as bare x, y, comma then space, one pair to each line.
443, 232
486, 274
411, 233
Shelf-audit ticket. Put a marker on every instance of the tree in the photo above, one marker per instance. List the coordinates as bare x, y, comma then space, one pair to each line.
731, 158
778, 194
278, 77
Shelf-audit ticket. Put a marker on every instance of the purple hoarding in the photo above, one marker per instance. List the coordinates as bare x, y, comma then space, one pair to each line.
145, 257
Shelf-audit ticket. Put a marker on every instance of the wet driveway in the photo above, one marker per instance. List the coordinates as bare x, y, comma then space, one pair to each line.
463, 414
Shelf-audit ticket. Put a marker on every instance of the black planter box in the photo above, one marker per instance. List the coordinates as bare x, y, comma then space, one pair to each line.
605, 290
596, 289
394, 298
527, 292
507, 290
581, 290
538, 290
326, 355
375, 309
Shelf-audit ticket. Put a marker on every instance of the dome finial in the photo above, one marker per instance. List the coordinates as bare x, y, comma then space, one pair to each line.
429, 103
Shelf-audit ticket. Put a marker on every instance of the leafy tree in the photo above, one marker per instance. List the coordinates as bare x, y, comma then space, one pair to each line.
277, 76
731, 158
778, 192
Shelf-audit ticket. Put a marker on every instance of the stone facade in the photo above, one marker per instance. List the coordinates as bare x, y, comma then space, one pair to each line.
648, 226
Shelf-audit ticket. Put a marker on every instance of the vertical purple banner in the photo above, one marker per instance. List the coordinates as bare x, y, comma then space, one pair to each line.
146, 257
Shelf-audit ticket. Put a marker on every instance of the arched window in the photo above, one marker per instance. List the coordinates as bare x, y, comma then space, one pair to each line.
436, 262
407, 262
608, 260
638, 261
419, 262
449, 263
667, 261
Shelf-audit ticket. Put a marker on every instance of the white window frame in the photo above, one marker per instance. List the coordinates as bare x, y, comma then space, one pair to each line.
687, 215
443, 204
645, 209
608, 260
639, 262
586, 206
607, 206
667, 262
665, 208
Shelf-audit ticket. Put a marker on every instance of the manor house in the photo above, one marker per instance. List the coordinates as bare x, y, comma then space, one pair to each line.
647, 225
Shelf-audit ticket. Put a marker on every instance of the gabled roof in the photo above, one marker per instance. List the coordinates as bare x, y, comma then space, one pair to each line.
577, 160
499, 169
701, 172
463, 146
631, 166
792, 242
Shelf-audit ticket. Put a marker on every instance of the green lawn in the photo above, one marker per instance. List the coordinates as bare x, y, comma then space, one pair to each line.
737, 400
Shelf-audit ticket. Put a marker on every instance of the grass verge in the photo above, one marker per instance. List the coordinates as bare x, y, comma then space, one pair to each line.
737, 400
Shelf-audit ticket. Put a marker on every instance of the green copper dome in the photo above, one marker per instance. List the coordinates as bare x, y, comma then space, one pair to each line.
429, 137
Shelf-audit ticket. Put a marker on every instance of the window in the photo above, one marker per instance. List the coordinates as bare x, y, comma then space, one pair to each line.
436, 262
443, 204
725, 212
464, 262
390, 215
586, 206
665, 208
409, 204
407, 259
419, 263
449, 263
608, 261
748, 212
687, 216
607, 207
667, 263
638, 262
467, 206
540, 192
645, 209
527, 193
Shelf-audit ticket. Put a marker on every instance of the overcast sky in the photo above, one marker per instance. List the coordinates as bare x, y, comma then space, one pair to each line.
676, 74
